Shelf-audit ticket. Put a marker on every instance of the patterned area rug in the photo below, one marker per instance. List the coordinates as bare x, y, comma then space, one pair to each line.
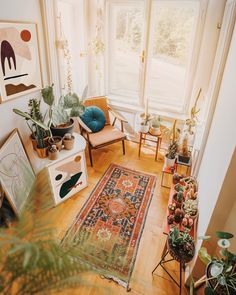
108, 229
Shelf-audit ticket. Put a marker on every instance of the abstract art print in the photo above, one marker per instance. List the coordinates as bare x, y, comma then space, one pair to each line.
16, 174
68, 177
20, 66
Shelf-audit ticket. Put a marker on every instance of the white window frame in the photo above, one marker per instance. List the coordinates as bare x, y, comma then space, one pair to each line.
162, 108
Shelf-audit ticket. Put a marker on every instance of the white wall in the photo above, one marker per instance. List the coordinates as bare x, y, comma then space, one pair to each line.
220, 145
21, 11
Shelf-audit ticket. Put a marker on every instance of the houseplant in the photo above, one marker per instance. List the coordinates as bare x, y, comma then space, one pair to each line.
53, 152
220, 270
190, 207
178, 199
68, 141
145, 122
180, 245
171, 154
155, 125
184, 155
60, 113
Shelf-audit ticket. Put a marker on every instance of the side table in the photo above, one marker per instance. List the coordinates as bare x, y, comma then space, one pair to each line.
157, 139
68, 173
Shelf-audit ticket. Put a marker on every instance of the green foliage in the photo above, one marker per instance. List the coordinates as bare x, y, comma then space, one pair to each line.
156, 122
172, 149
180, 196
180, 239
33, 261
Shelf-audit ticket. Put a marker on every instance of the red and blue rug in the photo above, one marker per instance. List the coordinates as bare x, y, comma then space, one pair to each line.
108, 228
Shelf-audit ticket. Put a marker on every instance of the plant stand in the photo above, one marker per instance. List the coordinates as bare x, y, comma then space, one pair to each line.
167, 170
154, 138
162, 263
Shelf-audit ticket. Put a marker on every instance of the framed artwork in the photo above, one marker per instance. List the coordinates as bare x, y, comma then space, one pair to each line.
68, 177
16, 174
20, 65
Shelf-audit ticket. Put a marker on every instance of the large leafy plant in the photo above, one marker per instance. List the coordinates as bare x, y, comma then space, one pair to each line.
222, 268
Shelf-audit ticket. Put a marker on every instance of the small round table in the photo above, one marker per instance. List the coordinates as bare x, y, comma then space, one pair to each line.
157, 139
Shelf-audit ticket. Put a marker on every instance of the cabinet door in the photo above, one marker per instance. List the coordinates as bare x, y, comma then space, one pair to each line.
68, 177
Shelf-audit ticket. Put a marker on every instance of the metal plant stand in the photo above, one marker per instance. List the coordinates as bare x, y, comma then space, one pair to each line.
162, 264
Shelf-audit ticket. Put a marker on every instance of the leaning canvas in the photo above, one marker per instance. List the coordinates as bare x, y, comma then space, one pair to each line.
20, 65
16, 174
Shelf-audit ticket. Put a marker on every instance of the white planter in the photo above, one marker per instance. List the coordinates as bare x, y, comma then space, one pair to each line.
169, 162
144, 128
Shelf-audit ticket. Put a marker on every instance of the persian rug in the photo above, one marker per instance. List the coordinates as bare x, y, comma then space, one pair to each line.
108, 228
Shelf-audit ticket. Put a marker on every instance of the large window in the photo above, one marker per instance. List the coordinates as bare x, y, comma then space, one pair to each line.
151, 47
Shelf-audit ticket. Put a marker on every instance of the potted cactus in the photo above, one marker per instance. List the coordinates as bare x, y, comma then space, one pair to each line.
171, 154
178, 215
178, 199
53, 152
187, 221
68, 141
184, 155
190, 207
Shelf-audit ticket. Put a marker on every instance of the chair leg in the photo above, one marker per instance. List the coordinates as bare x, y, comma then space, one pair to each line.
90, 155
123, 145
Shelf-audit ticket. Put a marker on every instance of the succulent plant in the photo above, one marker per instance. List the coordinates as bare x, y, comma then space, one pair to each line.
178, 215
52, 149
190, 207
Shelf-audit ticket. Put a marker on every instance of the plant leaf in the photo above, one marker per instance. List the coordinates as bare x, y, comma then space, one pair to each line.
224, 235
204, 256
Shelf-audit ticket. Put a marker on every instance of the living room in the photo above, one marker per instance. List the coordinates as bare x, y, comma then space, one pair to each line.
117, 146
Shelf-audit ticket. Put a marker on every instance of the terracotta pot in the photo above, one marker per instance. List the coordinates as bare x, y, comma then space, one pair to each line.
42, 152
63, 129
68, 143
155, 131
34, 141
53, 155
57, 141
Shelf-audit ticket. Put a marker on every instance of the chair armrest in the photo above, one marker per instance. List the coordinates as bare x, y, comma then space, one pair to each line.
116, 115
83, 125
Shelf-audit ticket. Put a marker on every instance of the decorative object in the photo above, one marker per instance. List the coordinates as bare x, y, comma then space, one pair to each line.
20, 66
67, 177
180, 245
155, 125
16, 174
190, 207
53, 152
220, 270
94, 118
108, 229
68, 141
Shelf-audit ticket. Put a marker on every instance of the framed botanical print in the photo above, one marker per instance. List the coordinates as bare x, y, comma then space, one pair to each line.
20, 71
16, 174
68, 177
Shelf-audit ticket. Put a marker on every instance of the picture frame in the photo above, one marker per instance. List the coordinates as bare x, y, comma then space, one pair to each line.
16, 173
20, 67
68, 177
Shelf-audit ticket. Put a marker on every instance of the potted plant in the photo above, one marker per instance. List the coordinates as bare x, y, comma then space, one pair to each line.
187, 221
184, 155
178, 215
172, 207
171, 154
178, 199
155, 125
60, 114
190, 207
145, 122
57, 141
53, 152
180, 245
220, 271
68, 141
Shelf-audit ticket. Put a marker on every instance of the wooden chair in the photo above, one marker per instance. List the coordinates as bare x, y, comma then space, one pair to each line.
109, 134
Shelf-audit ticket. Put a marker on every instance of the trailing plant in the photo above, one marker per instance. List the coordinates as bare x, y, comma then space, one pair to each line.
221, 275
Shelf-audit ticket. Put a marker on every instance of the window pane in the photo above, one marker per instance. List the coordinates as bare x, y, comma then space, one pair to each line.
172, 35
125, 45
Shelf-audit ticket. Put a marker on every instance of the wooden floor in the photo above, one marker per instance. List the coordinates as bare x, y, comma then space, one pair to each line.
152, 240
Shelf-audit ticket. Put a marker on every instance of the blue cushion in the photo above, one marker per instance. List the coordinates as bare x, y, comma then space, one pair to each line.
94, 118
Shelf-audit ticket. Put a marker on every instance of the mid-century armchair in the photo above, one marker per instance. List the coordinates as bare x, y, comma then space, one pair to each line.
109, 134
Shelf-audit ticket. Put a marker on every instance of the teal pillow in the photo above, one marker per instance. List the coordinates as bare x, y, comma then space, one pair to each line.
94, 118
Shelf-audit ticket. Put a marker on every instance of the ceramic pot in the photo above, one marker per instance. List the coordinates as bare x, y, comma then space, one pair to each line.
57, 141
169, 162
68, 143
53, 155
143, 128
34, 141
63, 129
155, 131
